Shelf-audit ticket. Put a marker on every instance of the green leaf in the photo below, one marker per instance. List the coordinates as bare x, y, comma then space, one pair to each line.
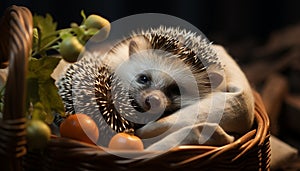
35, 39
46, 28
42, 68
46, 25
41, 87
32, 91
50, 98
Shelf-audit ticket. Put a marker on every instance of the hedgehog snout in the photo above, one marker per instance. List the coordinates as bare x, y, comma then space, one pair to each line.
154, 102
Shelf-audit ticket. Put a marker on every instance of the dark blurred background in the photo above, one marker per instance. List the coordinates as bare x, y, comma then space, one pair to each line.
224, 22
232, 20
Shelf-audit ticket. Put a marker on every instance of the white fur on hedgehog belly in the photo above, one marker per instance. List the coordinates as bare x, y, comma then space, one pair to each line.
237, 117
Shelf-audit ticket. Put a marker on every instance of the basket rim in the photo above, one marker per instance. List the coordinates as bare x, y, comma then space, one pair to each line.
255, 137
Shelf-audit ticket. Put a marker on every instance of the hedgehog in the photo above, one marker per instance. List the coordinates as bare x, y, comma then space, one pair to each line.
142, 78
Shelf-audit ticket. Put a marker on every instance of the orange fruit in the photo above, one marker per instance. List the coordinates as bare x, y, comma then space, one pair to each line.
80, 127
125, 141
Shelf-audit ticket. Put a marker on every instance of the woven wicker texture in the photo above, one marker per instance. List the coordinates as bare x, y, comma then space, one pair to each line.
16, 39
250, 152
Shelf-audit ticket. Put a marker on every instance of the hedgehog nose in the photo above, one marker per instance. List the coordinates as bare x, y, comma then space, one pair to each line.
152, 101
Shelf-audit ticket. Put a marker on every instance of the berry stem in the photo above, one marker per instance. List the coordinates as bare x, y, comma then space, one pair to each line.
129, 131
46, 46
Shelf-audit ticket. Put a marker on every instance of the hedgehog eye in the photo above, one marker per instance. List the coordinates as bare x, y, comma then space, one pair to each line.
143, 79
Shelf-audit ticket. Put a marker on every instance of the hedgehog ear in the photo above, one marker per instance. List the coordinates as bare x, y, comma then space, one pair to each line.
216, 79
133, 47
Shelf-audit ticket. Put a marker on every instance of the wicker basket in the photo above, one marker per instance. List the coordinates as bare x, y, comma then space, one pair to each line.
250, 152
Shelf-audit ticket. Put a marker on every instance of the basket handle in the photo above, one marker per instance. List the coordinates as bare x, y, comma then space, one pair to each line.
16, 29
16, 34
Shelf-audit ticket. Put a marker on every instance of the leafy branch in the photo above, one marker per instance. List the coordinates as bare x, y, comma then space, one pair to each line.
42, 95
